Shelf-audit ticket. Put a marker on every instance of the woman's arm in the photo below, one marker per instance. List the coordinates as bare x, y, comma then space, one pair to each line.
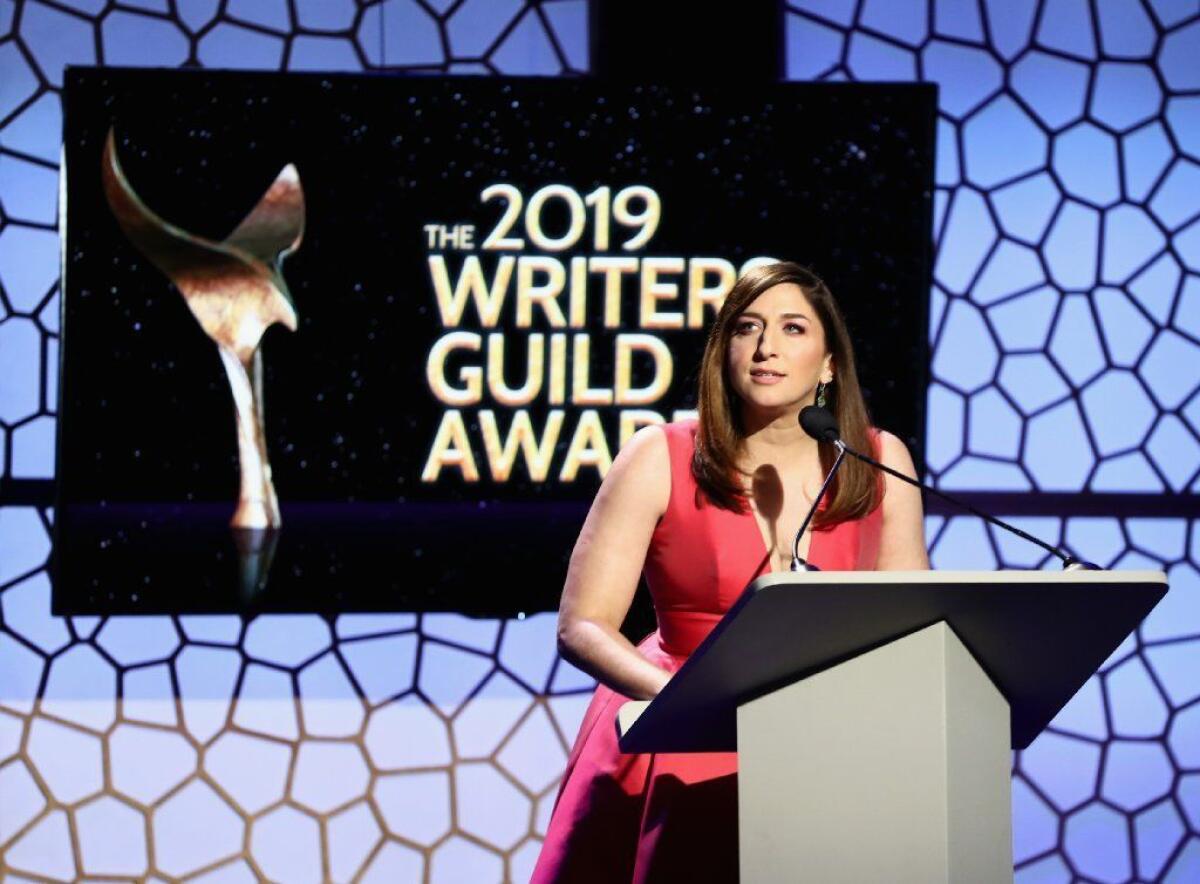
606, 564
902, 544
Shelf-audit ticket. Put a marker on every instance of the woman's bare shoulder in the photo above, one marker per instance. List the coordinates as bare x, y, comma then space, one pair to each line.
643, 458
634, 495
902, 544
892, 451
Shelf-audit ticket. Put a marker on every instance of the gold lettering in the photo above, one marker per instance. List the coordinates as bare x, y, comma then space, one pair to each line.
612, 268
578, 299
664, 369
471, 376
653, 291
699, 293
471, 284
534, 361
588, 448
581, 392
545, 295
521, 436
558, 369
450, 449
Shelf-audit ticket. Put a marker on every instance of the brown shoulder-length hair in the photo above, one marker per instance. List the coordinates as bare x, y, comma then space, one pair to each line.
855, 490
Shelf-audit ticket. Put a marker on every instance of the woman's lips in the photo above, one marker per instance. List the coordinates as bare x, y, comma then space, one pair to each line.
765, 377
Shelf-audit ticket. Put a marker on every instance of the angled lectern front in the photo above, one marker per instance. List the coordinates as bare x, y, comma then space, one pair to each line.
873, 712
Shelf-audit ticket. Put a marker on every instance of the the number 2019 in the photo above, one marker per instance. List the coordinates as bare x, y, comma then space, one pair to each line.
636, 207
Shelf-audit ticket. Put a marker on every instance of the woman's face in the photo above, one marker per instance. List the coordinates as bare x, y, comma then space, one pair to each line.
777, 351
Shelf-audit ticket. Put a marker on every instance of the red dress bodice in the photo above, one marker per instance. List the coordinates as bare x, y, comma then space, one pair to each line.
667, 816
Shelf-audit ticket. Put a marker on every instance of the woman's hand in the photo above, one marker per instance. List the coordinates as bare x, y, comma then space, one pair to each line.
607, 563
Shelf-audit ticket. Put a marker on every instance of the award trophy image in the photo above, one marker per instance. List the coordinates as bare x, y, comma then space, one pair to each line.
235, 289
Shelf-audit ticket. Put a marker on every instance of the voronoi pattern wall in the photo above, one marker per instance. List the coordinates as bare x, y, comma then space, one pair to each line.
1110, 792
39, 37
1065, 323
1065, 315
396, 747
402, 748
373, 747
386, 748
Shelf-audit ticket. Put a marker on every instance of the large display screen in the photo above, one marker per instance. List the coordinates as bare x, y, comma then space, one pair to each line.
371, 343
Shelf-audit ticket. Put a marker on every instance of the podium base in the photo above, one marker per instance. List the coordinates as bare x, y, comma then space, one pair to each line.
893, 766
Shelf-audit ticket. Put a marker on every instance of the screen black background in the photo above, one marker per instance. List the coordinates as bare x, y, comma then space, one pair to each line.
838, 177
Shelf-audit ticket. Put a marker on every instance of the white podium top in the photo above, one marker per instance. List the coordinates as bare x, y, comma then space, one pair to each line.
1039, 635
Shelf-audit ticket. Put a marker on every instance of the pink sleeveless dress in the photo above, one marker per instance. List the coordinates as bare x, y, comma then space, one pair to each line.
665, 816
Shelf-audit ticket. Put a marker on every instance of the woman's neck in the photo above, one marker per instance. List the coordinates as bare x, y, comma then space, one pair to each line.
776, 439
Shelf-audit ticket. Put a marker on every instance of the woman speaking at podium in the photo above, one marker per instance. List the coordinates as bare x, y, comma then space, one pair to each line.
703, 508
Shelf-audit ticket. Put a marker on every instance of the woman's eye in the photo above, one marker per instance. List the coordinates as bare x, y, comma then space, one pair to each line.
795, 327
744, 327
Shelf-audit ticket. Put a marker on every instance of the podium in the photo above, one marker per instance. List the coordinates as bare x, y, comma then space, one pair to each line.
873, 712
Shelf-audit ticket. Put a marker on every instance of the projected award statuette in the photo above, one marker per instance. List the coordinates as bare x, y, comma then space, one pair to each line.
236, 291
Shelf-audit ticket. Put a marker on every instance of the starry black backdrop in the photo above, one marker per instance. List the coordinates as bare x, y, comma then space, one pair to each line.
838, 177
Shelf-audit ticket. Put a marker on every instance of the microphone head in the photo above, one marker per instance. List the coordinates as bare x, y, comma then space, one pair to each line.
819, 423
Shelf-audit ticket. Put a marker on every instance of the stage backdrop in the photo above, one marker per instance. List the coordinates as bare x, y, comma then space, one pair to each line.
184, 765
481, 289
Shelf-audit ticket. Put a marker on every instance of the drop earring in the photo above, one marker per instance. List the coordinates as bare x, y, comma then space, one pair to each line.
821, 394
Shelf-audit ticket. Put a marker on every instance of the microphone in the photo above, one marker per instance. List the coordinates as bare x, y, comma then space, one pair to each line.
821, 425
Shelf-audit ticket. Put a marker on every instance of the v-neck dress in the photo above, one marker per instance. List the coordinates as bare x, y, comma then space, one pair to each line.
673, 816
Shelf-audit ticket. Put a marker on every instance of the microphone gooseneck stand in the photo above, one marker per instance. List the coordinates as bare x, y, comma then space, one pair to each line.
820, 424
799, 564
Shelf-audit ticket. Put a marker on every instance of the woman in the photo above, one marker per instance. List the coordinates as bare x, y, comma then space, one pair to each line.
704, 507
